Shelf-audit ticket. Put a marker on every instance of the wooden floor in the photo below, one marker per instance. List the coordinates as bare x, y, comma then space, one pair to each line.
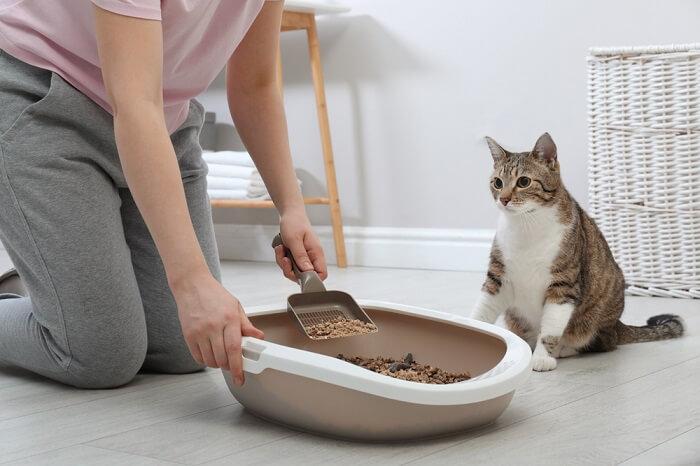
639, 405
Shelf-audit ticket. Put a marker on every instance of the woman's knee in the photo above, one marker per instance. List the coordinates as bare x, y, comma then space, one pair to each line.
108, 364
176, 359
96, 374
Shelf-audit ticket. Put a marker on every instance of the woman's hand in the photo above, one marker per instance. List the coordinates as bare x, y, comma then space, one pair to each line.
300, 238
213, 322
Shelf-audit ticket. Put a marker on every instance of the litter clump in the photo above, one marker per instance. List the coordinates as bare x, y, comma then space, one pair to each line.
408, 369
339, 327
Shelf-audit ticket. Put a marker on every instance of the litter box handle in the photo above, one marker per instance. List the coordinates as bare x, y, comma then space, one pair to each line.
251, 352
258, 355
309, 281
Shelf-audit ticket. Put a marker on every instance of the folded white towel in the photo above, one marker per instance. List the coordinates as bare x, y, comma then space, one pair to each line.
258, 197
222, 182
234, 194
229, 157
235, 182
230, 171
257, 188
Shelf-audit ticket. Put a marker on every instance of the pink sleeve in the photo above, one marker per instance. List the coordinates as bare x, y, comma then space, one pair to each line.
146, 9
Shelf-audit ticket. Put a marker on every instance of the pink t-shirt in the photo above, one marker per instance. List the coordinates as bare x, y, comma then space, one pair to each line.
198, 38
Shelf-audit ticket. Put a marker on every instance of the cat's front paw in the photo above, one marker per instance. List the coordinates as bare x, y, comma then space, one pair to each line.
543, 363
551, 343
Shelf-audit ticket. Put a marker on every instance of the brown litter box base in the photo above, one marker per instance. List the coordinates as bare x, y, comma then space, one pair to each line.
361, 417
327, 406
339, 327
407, 369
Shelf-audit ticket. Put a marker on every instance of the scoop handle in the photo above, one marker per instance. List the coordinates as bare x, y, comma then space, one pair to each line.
309, 280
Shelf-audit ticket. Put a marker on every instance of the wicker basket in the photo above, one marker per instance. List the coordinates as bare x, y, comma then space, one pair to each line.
644, 173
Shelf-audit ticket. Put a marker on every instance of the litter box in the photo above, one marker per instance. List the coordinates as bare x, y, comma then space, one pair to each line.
298, 382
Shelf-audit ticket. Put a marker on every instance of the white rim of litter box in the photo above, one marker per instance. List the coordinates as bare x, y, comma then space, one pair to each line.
513, 369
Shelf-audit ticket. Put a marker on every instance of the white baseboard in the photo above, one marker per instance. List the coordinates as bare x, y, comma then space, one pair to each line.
412, 248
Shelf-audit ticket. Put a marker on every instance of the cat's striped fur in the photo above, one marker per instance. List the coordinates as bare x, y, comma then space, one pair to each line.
551, 270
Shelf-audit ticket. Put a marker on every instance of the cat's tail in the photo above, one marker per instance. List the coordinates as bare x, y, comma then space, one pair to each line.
661, 327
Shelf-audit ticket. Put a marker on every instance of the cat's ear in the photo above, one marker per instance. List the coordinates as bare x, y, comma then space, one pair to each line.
545, 150
497, 152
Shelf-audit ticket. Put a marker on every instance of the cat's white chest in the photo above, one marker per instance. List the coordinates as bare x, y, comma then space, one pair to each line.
529, 247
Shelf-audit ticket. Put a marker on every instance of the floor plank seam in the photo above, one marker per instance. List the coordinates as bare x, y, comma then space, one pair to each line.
658, 444
587, 384
655, 372
565, 379
232, 455
89, 401
27, 457
139, 455
603, 389
87, 442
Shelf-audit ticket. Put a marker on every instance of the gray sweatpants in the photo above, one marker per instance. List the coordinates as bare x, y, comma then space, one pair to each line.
100, 308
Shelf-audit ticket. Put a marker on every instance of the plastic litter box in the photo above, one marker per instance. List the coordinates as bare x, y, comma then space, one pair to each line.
300, 383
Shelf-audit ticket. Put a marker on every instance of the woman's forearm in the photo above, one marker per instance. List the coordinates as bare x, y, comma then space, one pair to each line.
258, 114
152, 173
131, 57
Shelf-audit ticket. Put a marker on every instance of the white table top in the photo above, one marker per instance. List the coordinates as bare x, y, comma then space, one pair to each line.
318, 7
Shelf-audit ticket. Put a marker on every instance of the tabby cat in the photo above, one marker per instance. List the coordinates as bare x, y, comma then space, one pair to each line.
550, 269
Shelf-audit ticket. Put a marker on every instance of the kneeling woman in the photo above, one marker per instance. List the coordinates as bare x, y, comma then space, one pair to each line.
103, 203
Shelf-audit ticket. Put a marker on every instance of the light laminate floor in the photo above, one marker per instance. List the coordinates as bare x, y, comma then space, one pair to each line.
639, 405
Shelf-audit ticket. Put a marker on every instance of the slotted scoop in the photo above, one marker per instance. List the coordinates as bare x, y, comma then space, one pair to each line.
314, 305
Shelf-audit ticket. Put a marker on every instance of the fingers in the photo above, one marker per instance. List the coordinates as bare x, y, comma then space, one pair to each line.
232, 341
194, 350
289, 270
317, 257
284, 263
307, 252
207, 354
219, 350
210, 351
247, 328
279, 255
300, 256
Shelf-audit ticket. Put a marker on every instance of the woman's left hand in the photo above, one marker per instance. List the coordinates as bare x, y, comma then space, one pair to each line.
300, 238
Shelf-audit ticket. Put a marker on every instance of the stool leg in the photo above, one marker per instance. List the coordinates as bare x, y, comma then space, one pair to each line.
331, 183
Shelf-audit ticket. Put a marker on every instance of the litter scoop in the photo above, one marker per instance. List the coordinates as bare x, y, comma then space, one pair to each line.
318, 311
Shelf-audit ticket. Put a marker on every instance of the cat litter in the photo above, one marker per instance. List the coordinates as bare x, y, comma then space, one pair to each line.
408, 369
339, 327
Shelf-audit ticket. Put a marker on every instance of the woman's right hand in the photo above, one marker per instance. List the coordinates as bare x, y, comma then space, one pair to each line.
213, 322
300, 238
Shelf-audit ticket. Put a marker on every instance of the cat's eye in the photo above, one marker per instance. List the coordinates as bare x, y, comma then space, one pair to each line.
524, 182
497, 183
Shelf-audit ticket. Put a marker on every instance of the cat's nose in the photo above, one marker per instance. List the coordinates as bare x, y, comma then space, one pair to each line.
505, 200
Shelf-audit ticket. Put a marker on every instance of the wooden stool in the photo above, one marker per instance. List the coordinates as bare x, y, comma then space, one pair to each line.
298, 15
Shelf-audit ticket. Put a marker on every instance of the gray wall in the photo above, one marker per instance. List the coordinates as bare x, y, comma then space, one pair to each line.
413, 86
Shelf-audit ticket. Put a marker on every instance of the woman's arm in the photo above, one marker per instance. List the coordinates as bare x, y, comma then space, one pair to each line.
131, 57
258, 113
